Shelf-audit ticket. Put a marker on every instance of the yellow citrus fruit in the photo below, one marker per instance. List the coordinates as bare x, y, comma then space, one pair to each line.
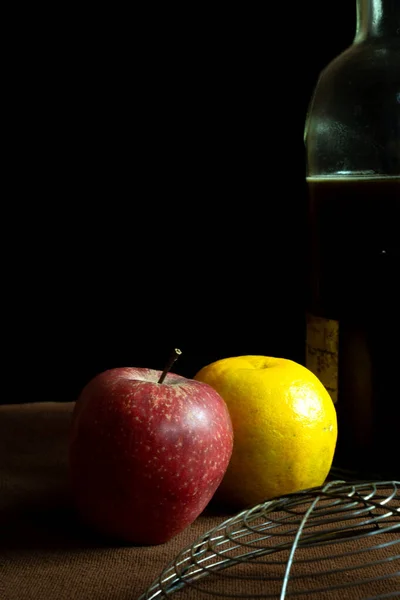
284, 425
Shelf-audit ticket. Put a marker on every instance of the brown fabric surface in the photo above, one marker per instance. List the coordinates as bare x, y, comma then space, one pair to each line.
45, 553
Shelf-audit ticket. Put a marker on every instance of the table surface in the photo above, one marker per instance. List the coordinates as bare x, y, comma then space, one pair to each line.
45, 553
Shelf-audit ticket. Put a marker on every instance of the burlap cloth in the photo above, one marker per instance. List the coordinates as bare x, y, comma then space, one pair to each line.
46, 554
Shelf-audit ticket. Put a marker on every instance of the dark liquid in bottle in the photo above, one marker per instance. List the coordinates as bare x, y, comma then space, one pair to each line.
353, 334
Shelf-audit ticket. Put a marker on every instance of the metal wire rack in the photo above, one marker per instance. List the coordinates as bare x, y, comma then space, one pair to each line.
339, 538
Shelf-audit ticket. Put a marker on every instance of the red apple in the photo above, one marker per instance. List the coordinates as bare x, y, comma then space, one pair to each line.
146, 457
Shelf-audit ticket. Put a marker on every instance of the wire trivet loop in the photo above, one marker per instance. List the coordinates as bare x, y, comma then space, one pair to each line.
336, 537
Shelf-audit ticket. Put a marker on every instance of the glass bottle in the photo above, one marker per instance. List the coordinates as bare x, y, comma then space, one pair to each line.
352, 142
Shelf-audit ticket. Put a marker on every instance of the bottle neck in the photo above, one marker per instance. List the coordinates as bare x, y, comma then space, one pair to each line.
377, 19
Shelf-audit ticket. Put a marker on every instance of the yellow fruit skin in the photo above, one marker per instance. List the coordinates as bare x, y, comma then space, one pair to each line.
284, 424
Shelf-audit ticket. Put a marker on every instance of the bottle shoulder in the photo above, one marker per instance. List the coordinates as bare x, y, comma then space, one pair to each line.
353, 119
364, 61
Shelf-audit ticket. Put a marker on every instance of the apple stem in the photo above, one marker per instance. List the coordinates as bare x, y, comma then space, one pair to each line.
169, 364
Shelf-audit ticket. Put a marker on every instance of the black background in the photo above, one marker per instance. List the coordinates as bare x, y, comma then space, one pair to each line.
159, 197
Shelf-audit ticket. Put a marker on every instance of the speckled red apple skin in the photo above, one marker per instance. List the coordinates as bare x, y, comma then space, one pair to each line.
146, 458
